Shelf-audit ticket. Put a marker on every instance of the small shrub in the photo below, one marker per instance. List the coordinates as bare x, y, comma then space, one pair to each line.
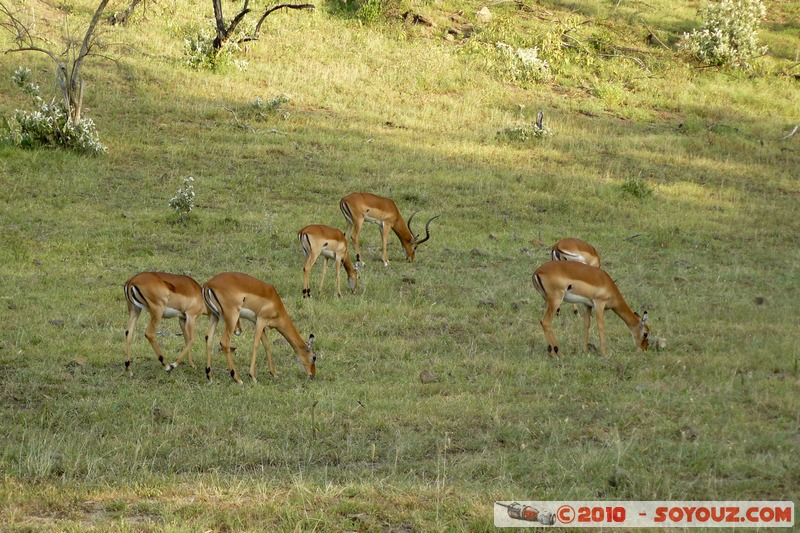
183, 201
201, 55
637, 188
48, 124
273, 105
728, 36
525, 132
22, 79
523, 64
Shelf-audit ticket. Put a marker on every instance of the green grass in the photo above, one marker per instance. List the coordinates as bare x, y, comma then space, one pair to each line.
675, 174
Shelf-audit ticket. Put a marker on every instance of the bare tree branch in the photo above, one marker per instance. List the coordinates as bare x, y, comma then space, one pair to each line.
33, 49
236, 119
224, 33
791, 134
273, 9
68, 64
652, 36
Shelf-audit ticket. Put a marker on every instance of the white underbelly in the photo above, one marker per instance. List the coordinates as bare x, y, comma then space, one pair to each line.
328, 254
373, 220
575, 299
247, 314
173, 313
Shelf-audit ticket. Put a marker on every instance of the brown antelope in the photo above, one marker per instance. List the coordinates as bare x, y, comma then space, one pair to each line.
330, 243
360, 206
590, 286
571, 249
163, 296
232, 295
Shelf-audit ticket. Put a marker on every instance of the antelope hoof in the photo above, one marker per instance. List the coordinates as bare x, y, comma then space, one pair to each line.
170, 367
253, 378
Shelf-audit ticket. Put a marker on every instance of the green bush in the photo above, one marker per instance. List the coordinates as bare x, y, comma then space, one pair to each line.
201, 55
728, 36
523, 64
524, 132
49, 124
273, 105
183, 201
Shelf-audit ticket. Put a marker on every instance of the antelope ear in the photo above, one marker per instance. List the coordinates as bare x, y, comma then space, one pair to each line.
644, 319
310, 342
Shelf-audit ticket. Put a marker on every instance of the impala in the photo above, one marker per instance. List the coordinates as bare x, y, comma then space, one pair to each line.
578, 283
163, 296
360, 206
571, 249
232, 295
330, 243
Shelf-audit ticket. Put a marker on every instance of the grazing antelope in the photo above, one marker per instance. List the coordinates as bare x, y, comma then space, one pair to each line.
571, 249
163, 296
330, 243
578, 283
360, 206
232, 295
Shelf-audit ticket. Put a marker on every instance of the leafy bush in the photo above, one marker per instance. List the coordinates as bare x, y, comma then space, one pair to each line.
48, 124
22, 79
183, 201
525, 132
273, 105
523, 64
728, 36
201, 55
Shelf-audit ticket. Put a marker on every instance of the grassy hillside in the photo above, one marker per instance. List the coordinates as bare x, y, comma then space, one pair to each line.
677, 174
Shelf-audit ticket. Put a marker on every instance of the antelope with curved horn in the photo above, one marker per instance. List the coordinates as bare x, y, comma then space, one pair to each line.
592, 287
571, 249
317, 240
163, 296
233, 295
360, 206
